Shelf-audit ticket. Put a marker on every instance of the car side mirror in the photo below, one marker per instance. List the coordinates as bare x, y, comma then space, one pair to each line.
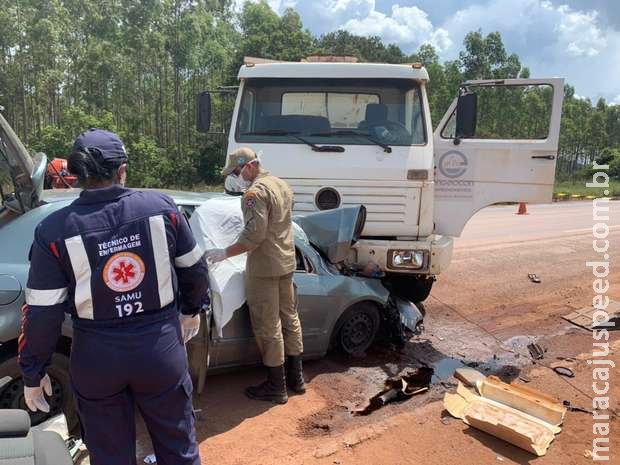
203, 121
466, 115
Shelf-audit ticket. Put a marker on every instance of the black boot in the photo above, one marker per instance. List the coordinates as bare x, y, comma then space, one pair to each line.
295, 375
274, 389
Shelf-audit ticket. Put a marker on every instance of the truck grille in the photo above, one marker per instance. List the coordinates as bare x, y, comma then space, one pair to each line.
391, 210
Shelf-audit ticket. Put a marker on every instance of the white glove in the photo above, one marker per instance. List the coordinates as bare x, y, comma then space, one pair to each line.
190, 325
216, 255
35, 400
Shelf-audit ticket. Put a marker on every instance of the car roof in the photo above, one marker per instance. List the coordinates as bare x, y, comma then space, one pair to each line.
180, 197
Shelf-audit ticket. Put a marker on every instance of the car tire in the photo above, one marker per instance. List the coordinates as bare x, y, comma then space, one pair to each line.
409, 288
62, 400
357, 328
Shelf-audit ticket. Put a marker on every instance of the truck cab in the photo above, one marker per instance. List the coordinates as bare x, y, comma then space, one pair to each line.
344, 133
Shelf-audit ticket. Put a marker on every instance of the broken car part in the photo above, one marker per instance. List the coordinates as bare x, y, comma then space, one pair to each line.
522, 416
399, 388
534, 278
585, 317
564, 371
536, 351
572, 408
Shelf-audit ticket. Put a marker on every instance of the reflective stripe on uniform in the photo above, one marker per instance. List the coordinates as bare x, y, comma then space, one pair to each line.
46, 297
81, 271
161, 255
188, 259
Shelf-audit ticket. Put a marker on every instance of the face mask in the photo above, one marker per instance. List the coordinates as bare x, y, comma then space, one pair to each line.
235, 183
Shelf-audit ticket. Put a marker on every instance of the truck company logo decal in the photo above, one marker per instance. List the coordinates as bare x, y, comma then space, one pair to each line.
123, 272
452, 164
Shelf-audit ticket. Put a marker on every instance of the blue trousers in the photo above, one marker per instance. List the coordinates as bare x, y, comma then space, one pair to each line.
118, 365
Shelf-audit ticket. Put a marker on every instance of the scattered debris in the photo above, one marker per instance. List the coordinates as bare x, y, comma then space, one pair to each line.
536, 351
588, 454
150, 459
469, 376
534, 278
445, 420
564, 371
572, 408
399, 388
524, 379
584, 317
74, 446
515, 413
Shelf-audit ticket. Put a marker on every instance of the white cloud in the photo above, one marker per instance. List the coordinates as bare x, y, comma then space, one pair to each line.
580, 32
409, 27
276, 5
551, 39
616, 101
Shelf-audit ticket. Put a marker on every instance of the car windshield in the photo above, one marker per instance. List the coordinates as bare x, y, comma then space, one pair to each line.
331, 111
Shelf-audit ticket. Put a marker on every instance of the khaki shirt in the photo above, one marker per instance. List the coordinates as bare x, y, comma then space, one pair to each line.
268, 233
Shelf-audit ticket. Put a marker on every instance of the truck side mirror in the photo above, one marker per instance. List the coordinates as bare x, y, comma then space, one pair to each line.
466, 115
203, 121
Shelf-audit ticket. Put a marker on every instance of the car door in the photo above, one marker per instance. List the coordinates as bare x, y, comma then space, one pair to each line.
507, 152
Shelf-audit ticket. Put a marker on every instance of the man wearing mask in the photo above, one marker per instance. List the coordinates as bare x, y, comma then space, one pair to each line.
268, 238
116, 259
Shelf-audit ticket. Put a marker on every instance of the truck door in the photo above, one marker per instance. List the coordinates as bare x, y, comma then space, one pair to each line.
506, 153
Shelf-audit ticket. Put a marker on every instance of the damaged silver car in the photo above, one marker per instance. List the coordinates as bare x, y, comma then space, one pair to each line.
338, 306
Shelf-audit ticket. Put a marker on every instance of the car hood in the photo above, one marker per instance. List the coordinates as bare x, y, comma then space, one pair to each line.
333, 232
27, 172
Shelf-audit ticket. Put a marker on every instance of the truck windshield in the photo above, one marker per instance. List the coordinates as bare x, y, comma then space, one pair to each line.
384, 112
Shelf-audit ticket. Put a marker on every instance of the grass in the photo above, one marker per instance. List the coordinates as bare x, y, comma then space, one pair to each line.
572, 188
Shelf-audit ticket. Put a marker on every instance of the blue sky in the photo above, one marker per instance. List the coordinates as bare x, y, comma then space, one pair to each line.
575, 39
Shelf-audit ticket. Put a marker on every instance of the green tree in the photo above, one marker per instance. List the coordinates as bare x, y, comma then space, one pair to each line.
267, 35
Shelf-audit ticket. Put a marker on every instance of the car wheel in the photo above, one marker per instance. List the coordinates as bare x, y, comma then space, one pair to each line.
12, 393
409, 288
357, 328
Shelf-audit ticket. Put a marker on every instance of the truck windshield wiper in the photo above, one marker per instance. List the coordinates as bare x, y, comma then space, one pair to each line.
386, 148
281, 132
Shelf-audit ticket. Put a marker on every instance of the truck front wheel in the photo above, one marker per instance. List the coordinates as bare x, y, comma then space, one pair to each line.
411, 288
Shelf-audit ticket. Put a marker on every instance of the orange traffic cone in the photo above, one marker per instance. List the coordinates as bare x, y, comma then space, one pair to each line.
522, 209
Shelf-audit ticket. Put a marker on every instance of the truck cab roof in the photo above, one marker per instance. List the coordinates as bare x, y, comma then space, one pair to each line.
332, 70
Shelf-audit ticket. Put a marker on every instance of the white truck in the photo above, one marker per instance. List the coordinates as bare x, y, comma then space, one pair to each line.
343, 133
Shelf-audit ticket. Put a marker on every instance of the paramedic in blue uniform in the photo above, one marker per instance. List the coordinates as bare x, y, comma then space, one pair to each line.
125, 266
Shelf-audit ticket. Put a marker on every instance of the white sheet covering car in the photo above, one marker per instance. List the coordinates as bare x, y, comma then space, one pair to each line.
217, 224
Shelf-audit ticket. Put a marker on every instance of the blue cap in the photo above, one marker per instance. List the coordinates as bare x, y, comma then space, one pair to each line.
103, 145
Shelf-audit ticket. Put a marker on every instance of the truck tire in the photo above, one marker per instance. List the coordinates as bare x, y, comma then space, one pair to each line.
12, 393
411, 288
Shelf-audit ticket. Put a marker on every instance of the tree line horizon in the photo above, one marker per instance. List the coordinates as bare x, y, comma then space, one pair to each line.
137, 67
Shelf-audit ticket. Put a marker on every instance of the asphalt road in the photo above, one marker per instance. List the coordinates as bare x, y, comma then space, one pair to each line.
500, 224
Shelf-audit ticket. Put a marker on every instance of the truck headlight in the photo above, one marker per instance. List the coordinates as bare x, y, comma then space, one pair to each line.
406, 259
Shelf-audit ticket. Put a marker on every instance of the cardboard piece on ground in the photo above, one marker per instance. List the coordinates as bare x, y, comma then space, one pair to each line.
583, 317
517, 414
468, 376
